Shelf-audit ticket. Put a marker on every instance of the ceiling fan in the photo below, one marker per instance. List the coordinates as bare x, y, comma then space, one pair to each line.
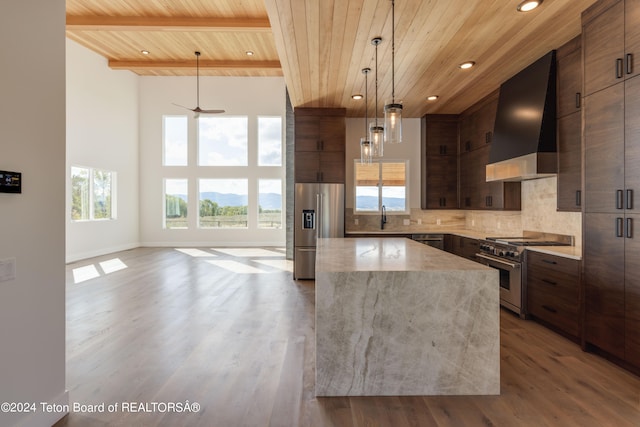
199, 110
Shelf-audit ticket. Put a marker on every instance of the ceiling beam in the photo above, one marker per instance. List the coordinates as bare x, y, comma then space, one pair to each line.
204, 65
166, 23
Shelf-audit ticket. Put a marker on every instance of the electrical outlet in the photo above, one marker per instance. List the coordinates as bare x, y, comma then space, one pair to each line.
406, 221
438, 221
356, 221
419, 221
473, 222
498, 225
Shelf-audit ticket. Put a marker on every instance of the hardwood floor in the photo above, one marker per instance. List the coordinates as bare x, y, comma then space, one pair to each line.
231, 330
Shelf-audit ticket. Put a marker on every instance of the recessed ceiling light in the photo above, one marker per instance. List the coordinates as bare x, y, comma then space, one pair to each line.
144, 52
466, 65
249, 53
528, 5
357, 96
432, 97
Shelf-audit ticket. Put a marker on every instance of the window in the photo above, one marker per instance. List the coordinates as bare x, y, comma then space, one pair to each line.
223, 141
223, 203
175, 136
270, 203
269, 141
381, 183
175, 202
92, 194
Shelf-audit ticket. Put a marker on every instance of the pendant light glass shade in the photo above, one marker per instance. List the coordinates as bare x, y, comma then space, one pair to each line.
366, 152
393, 109
393, 123
376, 136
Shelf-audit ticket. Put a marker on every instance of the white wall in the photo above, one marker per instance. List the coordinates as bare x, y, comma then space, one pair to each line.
102, 133
32, 230
251, 96
408, 150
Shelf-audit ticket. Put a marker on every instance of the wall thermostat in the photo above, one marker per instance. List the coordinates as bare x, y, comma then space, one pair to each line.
10, 182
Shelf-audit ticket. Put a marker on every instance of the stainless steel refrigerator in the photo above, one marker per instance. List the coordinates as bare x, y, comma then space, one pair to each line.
319, 212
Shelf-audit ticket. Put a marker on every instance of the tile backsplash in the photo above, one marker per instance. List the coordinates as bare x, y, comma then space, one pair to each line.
538, 214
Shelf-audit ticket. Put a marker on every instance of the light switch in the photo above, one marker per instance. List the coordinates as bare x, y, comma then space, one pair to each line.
7, 269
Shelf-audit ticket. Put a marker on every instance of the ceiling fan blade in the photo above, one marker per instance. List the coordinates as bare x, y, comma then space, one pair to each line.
182, 106
211, 111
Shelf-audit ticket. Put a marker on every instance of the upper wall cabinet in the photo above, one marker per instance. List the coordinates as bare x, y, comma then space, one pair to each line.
476, 135
611, 43
320, 135
439, 161
569, 87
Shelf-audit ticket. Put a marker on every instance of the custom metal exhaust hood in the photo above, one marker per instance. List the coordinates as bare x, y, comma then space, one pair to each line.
524, 139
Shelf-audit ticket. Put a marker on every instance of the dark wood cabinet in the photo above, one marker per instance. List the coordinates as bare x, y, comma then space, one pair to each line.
612, 176
553, 291
569, 125
439, 161
611, 40
477, 124
465, 247
320, 145
570, 163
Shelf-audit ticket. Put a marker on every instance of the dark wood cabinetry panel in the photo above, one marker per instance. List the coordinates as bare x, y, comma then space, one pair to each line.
569, 77
569, 163
632, 289
553, 284
632, 141
320, 145
604, 283
603, 44
465, 247
439, 161
604, 149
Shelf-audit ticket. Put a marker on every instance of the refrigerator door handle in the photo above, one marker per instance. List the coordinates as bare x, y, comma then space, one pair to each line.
319, 216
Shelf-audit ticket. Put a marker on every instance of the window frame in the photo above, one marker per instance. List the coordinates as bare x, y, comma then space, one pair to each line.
91, 194
380, 186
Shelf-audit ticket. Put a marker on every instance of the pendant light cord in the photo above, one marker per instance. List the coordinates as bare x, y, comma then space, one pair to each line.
376, 111
366, 103
393, 51
197, 79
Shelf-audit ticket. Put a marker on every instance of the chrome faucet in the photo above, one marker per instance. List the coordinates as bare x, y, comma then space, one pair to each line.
383, 217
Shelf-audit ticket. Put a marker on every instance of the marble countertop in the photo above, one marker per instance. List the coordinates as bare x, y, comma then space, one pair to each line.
387, 254
573, 252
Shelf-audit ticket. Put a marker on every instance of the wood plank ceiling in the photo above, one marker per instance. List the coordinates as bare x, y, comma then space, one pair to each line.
321, 46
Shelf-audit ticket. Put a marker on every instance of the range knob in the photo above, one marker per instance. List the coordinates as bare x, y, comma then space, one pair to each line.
501, 253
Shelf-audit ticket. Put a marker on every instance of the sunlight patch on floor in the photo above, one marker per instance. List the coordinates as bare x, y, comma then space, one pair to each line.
236, 267
280, 264
249, 252
196, 253
112, 265
82, 274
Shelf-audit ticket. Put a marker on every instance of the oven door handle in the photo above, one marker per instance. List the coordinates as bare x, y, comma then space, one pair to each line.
498, 261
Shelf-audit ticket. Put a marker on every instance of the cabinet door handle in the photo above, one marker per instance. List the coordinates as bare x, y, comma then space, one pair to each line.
488, 137
467, 201
629, 199
619, 227
629, 228
629, 63
467, 146
551, 309
578, 100
549, 261
578, 197
550, 282
619, 199
619, 68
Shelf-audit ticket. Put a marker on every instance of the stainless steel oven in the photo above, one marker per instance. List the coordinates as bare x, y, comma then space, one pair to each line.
510, 281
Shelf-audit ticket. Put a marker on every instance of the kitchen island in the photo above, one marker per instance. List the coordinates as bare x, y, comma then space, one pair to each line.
396, 317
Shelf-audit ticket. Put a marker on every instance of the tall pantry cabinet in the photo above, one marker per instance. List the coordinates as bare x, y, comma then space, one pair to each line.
611, 44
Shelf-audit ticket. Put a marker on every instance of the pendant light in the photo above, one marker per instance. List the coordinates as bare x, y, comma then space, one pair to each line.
376, 131
365, 143
393, 110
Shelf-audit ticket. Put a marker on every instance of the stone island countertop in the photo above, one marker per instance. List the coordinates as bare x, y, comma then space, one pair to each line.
396, 317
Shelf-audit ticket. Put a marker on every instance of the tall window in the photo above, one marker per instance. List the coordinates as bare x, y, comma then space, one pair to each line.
175, 136
92, 194
270, 203
222, 141
223, 203
269, 141
381, 183
175, 202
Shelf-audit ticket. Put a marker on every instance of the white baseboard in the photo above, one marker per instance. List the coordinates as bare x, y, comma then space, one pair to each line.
213, 244
99, 252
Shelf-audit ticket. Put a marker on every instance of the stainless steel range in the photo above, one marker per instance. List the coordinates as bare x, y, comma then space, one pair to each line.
506, 254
